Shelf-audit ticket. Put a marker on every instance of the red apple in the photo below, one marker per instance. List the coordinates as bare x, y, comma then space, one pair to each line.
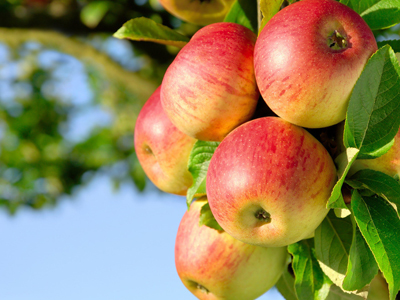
268, 183
198, 12
213, 265
210, 88
308, 58
162, 150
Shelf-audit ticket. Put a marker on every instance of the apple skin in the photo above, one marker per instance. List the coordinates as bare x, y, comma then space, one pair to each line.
163, 151
198, 12
388, 163
210, 89
270, 165
213, 265
301, 78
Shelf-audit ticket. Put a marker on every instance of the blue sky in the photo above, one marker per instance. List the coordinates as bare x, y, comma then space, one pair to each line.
97, 245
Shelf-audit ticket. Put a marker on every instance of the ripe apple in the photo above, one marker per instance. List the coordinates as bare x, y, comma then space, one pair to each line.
214, 265
388, 163
268, 183
162, 150
308, 58
200, 12
210, 89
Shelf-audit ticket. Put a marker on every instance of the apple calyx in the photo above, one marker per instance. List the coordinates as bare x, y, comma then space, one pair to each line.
263, 215
336, 41
147, 149
199, 286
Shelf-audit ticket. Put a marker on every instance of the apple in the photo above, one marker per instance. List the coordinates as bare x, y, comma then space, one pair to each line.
162, 150
308, 58
268, 183
388, 163
210, 89
200, 12
214, 265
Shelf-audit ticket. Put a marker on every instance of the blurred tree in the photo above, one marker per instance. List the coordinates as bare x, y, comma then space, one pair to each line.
69, 100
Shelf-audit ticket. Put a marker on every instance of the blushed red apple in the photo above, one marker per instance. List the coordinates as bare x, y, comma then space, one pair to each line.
200, 12
210, 89
269, 181
213, 265
163, 151
308, 58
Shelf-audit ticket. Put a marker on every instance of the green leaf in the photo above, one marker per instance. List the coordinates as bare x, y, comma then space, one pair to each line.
310, 281
395, 44
199, 160
362, 267
383, 14
207, 218
243, 12
344, 162
143, 29
93, 12
268, 9
359, 6
379, 183
285, 285
332, 245
372, 117
380, 226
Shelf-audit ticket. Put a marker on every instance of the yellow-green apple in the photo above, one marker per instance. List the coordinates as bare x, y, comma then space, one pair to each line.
210, 88
268, 183
162, 150
388, 163
308, 58
200, 12
213, 265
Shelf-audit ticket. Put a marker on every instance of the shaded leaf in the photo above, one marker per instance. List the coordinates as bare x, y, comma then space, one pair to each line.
379, 183
207, 218
362, 267
243, 12
332, 244
285, 285
380, 226
310, 281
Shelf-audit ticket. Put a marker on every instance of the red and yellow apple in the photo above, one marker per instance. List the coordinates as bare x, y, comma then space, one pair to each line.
213, 265
163, 151
269, 181
200, 12
210, 89
308, 58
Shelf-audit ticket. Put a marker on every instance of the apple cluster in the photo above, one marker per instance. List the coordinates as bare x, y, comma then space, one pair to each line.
269, 179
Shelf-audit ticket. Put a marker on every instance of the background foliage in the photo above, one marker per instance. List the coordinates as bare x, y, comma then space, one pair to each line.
60, 68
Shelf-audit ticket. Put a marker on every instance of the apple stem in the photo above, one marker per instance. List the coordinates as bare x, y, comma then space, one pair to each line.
262, 215
337, 41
